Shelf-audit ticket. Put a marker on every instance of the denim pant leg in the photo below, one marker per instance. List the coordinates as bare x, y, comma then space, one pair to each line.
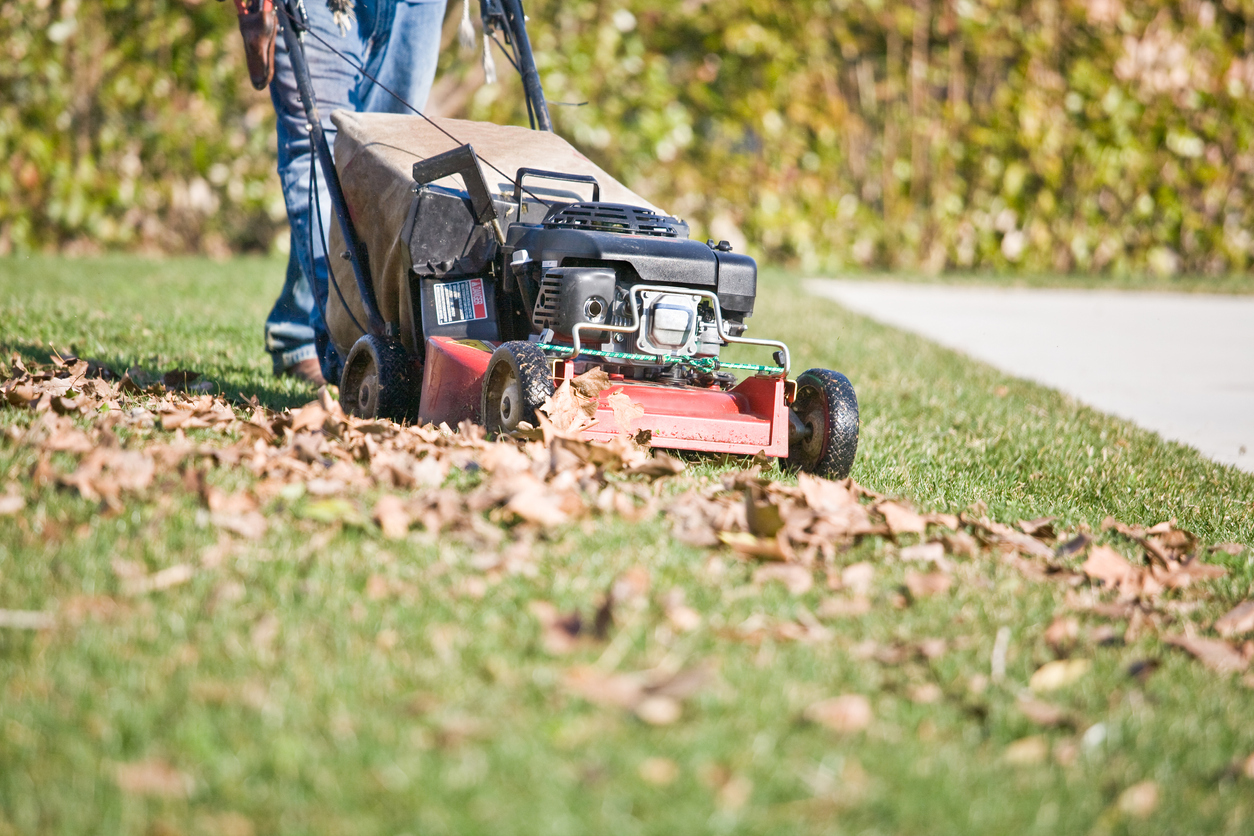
398, 42
289, 336
404, 51
310, 213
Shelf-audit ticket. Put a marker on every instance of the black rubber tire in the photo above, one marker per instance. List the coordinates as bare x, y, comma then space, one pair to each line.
517, 383
379, 380
828, 407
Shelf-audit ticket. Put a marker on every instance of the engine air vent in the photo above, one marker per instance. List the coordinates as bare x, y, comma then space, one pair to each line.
544, 315
616, 217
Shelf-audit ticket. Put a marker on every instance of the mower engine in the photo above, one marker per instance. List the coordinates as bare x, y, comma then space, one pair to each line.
627, 282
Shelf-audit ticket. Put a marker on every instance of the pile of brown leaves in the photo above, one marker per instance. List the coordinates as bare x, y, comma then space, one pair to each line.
803, 528
320, 464
326, 453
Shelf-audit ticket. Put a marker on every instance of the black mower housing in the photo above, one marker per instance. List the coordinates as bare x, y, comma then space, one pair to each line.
449, 240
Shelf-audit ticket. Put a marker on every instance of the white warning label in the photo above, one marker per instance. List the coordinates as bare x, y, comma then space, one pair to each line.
460, 301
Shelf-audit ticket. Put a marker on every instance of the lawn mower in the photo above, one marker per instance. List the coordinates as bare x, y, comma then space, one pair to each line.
475, 267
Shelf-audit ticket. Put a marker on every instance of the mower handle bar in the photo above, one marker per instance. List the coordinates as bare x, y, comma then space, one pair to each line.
554, 175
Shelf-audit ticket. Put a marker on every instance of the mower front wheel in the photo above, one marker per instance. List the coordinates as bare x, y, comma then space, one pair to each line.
823, 437
378, 379
517, 383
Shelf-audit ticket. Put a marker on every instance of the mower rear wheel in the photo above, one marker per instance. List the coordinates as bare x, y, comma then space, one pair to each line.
824, 437
378, 379
517, 383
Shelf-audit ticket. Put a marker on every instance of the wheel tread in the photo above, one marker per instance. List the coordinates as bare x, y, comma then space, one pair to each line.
840, 447
397, 381
534, 377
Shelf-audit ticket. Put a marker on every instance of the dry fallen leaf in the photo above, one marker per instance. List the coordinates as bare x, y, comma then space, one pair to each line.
658, 771
1075, 545
1217, 655
538, 506
560, 634
1139, 800
152, 777
627, 413
925, 694
927, 584
834, 607
631, 588
682, 618
960, 544
1058, 674
569, 410
393, 519
735, 793
1004, 535
1238, 620
796, 578
847, 713
857, 578
1177, 575
746, 544
1041, 528
164, 579
1027, 751
659, 710
1062, 634
591, 383
1107, 565
900, 519
264, 632
250, 525
924, 553
1042, 713
655, 696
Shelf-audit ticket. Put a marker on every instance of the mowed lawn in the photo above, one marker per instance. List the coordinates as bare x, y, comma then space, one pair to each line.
287, 694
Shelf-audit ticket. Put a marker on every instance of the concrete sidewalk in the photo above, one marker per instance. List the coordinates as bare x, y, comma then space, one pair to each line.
1179, 364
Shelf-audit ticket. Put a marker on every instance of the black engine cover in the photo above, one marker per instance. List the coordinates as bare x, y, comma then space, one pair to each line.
654, 260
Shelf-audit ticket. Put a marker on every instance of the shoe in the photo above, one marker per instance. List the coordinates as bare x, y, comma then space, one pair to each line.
306, 370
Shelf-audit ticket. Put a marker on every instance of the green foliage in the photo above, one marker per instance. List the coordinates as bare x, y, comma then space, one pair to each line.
1086, 135
131, 123
1077, 134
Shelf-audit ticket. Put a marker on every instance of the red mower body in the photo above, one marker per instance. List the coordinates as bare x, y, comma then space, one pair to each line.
749, 418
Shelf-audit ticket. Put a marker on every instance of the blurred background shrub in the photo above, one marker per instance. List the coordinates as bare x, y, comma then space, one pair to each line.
1042, 135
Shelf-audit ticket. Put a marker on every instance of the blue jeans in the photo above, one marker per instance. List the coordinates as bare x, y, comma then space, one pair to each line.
398, 42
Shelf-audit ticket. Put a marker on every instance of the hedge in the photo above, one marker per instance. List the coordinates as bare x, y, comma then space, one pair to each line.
1068, 135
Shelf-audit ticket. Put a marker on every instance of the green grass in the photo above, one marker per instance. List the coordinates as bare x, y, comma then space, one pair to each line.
461, 726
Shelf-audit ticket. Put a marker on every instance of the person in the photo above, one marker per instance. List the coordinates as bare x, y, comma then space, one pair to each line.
396, 42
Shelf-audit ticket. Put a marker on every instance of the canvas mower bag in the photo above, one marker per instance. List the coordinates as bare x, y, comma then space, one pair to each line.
374, 157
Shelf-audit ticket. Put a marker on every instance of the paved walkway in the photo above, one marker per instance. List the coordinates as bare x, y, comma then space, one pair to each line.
1179, 364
